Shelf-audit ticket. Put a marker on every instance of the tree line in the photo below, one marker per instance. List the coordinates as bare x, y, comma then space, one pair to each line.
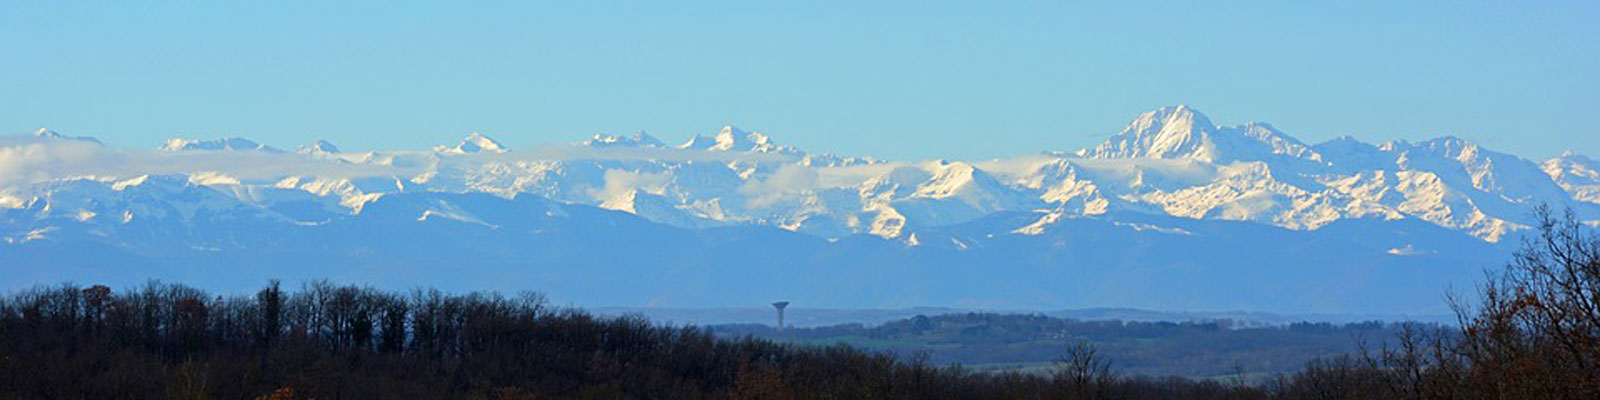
1194, 349
330, 341
1533, 333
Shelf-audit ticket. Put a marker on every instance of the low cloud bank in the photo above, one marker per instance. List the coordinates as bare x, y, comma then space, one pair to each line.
28, 160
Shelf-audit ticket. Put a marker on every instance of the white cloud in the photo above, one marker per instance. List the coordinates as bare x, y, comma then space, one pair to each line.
26, 160
23, 162
1408, 250
620, 182
788, 180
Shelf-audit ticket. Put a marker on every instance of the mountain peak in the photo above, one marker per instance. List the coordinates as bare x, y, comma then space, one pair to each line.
731, 138
473, 143
1448, 140
1182, 132
225, 144
44, 133
640, 139
1573, 155
1181, 114
1169, 132
1448, 145
319, 147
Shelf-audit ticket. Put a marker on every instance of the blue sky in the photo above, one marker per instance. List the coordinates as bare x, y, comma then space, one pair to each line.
902, 80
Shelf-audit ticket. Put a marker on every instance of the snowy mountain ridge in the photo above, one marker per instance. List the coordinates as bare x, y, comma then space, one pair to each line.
1173, 161
1167, 214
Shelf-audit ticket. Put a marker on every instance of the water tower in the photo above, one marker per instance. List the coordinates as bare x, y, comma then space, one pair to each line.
780, 306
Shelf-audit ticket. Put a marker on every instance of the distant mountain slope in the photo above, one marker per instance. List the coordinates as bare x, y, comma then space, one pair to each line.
1174, 212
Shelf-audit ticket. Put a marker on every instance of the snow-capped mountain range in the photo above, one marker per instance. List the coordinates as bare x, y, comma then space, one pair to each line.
1171, 204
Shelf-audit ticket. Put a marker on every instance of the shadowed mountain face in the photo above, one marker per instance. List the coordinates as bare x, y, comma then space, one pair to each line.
590, 255
1173, 213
